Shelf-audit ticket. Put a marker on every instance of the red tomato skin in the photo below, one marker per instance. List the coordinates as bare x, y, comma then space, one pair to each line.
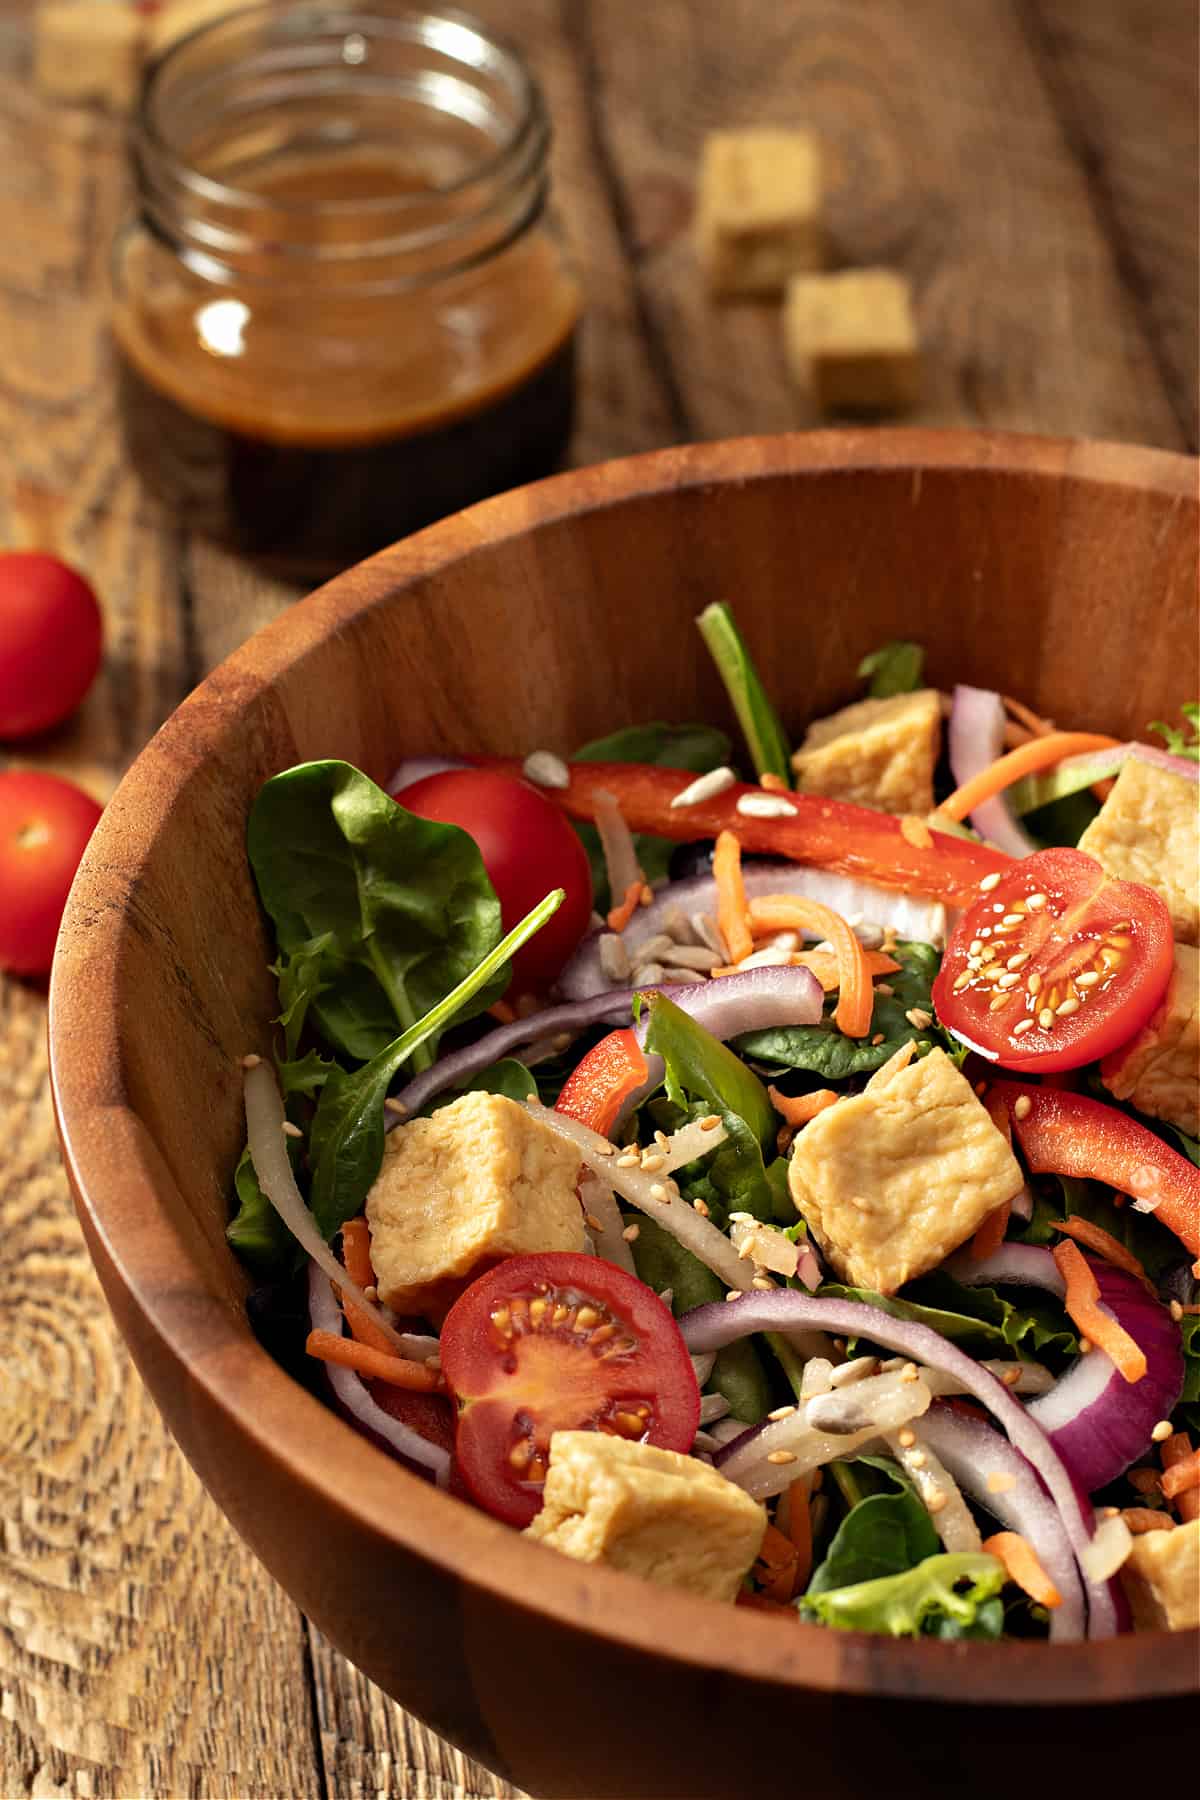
51, 636
1086, 904
528, 848
45, 824
488, 1382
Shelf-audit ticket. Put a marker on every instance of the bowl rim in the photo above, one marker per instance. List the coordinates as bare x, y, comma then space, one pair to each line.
109, 1155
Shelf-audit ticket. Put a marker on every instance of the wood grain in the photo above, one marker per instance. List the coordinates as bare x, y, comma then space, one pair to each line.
936, 164
1048, 220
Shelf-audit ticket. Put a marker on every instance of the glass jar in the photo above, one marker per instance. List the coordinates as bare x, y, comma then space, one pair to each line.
340, 311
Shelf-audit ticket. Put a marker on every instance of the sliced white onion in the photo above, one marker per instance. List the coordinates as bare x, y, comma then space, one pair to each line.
1018, 1378
598, 1200
689, 1142
937, 1491
353, 1395
803, 1446
272, 1165
674, 1214
975, 739
764, 1245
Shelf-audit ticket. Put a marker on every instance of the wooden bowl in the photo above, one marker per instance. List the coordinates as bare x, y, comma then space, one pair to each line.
1061, 572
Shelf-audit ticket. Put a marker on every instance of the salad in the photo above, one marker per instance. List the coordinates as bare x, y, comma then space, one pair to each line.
782, 1185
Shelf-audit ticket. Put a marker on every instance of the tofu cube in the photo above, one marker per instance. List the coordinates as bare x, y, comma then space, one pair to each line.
758, 210
1148, 830
851, 340
1161, 1578
478, 1180
88, 50
891, 1180
670, 1519
175, 18
1158, 1071
877, 753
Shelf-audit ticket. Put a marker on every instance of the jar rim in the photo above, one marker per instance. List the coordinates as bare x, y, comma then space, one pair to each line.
397, 18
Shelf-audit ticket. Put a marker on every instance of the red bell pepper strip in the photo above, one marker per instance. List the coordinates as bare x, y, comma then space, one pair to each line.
1071, 1134
598, 1087
825, 834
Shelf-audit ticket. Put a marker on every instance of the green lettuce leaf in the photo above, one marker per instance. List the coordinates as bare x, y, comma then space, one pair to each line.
757, 717
378, 914
662, 1262
894, 668
1061, 1196
1185, 740
941, 1591
979, 1319
256, 1231
823, 1050
697, 748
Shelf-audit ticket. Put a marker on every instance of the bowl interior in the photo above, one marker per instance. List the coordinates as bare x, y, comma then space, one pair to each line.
1064, 574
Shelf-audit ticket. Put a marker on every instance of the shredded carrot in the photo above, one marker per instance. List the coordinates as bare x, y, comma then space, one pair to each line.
731, 896
1103, 1243
1141, 1519
502, 1011
799, 1530
1083, 1308
1034, 724
619, 916
989, 1233
790, 912
798, 1109
1182, 1475
1022, 1566
417, 1377
1144, 1480
916, 832
824, 965
1038, 753
356, 1254
775, 1567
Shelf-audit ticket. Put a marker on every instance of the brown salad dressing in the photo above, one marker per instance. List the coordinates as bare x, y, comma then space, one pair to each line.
312, 429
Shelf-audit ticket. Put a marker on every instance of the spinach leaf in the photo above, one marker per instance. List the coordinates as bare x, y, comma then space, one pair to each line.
305, 1075
757, 717
823, 1050
700, 1065
1061, 1196
941, 1591
1176, 738
508, 1077
894, 668
883, 1535
256, 1231
1187, 1146
663, 1262
697, 748
378, 914
346, 1141
1062, 821
979, 1319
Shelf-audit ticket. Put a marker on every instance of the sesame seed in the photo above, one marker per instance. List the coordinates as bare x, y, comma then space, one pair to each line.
999, 1001
1066, 1007
711, 1122
606, 1149
762, 1284
906, 1438
397, 1108
781, 1412
290, 1130
998, 907
919, 1018
1085, 1345
661, 1139
371, 1292
658, 1191
631, 1233
1013, 918
251, 1061
1162, 1431
734, 1294
1022, 1027
545, 769
592, 1222
917, 1460
1118, 940
1046, 1019
629, 1159
1010, 1377
1176, 1311
1034, 984
1000, 1484
1035, 902
781, 1456
989, 882
702, 1207
974, 947
705, 787
765, 806
653, 1162
878, 1038
646, 897
936, 1502
1018, 961
1022, 1106
909, 1372
1088, 979
881, 987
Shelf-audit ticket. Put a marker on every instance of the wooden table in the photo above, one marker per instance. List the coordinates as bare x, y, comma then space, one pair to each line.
1032, 165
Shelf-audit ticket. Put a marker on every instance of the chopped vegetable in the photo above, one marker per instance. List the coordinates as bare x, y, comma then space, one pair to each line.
1022, 1566
1038, 753
1084, 1231
895, 668
1103, 1332
732, 916
1185, 740
378, 1365
785, 912
948, 1596
1177, 1453
798, 1109
757, 717
356, 1254
599, 1088
699, 1064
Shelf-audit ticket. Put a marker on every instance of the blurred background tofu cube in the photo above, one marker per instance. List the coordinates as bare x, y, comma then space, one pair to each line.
851, 340
88, 50
758, 212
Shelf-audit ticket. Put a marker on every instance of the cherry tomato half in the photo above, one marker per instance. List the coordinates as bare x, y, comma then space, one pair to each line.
1056, 965
528, 848
559, 1342
50, 641
44, 826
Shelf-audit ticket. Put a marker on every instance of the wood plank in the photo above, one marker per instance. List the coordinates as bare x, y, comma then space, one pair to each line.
945, 159
1123, 77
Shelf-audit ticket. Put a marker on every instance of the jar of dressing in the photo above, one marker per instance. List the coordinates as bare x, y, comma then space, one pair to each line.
340, 311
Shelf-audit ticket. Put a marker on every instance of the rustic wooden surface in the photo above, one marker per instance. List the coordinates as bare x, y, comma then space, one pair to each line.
1032, 165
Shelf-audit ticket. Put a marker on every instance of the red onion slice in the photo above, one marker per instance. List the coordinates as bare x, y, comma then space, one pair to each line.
976, 1455
976, 739
1097, 1421
354, 1397
712, 1327
925, 921
417, 768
